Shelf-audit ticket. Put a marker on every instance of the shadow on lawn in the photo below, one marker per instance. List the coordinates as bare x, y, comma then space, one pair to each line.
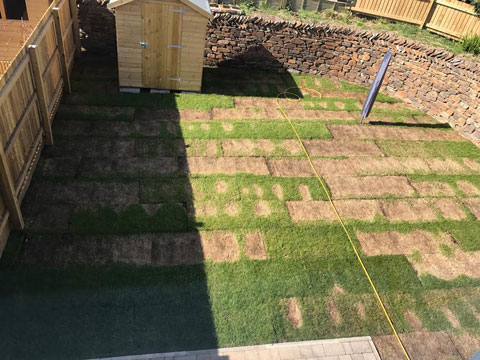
402, 124
112, 289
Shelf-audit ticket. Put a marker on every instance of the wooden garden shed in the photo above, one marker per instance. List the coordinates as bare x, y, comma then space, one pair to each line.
160, 43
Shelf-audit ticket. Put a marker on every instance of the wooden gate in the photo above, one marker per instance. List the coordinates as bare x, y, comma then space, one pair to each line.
162, 45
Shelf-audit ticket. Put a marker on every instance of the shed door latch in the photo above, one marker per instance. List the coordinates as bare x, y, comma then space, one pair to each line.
181, 11
174, 79
175, 46
143, 44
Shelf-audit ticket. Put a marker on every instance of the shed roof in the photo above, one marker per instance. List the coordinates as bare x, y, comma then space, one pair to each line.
201, 6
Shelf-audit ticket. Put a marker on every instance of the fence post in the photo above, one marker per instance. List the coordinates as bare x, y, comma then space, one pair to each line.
37, 75
76, 27
429, 10
8, 192
61, 49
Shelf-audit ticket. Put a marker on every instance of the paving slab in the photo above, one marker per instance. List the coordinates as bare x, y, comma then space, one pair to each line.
361, 348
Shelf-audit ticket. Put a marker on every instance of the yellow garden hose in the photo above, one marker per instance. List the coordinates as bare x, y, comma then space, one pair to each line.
293, 96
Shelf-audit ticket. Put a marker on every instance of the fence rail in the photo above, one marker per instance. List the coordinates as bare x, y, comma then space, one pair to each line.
31, 86
450, 18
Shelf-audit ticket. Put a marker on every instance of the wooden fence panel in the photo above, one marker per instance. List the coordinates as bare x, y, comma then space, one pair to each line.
31, 85
453, 19
450, 18
411, 11
4, 64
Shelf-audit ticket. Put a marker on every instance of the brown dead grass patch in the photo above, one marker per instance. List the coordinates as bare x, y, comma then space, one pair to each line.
207, 209
473, 205
220, 246
424, 345
227, 165
341, 148
408, 210
227, 127
232, 209
472, 164
451, 317
320, 114
322, 210
254, 246
278, 191
340, 105
413, 320
395, 243
450, 209
304, 192
433, 261
360, 308
262, 208
466, 344
438, 188
294, 313
255, 102
468, 188
344, 186
290, 168
205, 126
292, 147
265, 145
447, 166
221, 187
338, 290
258, 190
391, 133
232, 147
334, 313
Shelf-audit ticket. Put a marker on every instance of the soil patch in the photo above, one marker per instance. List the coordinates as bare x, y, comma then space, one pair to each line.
222, 165
408, 210
294, 314
474, 206
278, 191
438, 188
322, 210
304, 192
254, 246
450, 209
369, 186
468, 188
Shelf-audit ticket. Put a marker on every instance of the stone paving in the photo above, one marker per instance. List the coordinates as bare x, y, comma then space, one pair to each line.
356, 348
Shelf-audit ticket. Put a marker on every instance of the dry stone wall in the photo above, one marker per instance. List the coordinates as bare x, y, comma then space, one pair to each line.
433, 80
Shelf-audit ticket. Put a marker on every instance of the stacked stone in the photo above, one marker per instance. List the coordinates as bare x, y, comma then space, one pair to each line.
433, 80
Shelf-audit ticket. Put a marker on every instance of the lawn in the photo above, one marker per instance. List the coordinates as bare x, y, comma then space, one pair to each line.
191, 221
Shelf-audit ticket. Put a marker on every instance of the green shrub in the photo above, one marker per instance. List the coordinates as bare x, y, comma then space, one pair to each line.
471, 44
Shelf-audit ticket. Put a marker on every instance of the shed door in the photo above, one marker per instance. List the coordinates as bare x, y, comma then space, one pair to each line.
162, 36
